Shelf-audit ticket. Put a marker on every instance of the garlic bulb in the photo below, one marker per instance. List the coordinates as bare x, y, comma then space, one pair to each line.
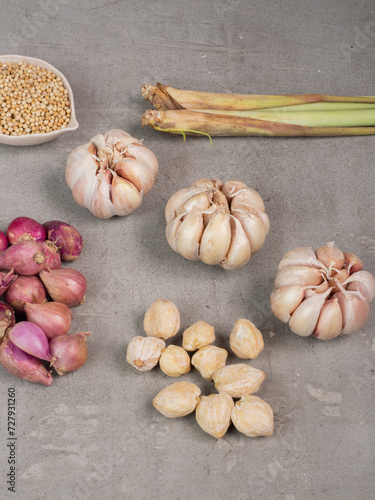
110, 174
216, 223
325, 293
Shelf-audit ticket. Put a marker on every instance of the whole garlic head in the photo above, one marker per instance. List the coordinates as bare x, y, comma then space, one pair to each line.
110, 174
216, 223
323, 293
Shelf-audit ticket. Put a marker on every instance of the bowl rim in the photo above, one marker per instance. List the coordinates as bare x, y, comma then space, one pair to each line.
73, 123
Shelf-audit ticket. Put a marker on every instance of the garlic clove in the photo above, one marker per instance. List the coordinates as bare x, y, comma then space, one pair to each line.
352, 263
97, 195
144, 155
171, 233
239, 251
204, 183
137, 173
80, 163
125, 197
285, 300
207, 214
266, 221
246, 198
301, 256
231, 188
189, 235
175, 202
220, 200
329, 324
216, 239
323, 287
305, 317
363, 282
179, 199
298, 275
255, 226
197, 203
355, 310
330, 256
85, 186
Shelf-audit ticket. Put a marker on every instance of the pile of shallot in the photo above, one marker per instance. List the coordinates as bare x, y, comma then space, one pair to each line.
36, 297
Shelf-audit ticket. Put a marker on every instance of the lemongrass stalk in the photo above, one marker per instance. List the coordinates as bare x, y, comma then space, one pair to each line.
341, 118
166, 97
186, 122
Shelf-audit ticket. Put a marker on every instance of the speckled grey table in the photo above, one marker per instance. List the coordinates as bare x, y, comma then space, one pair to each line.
94, 434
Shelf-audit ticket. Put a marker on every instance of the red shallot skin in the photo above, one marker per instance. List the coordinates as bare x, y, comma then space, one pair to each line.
3, 242
25, 228
31, 339
7, 319
23, 365
53, 318
53, 259
26, 257
65, 285
69, 352
67, 239
6, 279
25, 289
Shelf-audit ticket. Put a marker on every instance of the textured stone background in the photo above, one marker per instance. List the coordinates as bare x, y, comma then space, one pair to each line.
94, 434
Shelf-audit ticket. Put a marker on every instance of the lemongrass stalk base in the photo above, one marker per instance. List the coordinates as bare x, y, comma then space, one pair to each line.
164, 97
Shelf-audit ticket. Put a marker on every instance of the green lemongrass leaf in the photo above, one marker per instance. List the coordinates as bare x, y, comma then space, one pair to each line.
318, 106
335, 118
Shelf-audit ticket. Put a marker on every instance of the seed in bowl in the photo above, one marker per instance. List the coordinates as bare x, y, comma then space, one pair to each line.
33, 100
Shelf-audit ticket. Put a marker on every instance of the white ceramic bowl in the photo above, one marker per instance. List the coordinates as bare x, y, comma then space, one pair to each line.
31, 139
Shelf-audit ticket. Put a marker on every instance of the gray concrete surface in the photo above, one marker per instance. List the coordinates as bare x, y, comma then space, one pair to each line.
94, 434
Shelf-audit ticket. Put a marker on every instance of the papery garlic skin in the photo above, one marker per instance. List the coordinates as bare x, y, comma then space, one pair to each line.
110, 174
219, 224
324, 293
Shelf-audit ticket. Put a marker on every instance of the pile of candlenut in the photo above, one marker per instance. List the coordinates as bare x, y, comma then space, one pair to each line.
250, 415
